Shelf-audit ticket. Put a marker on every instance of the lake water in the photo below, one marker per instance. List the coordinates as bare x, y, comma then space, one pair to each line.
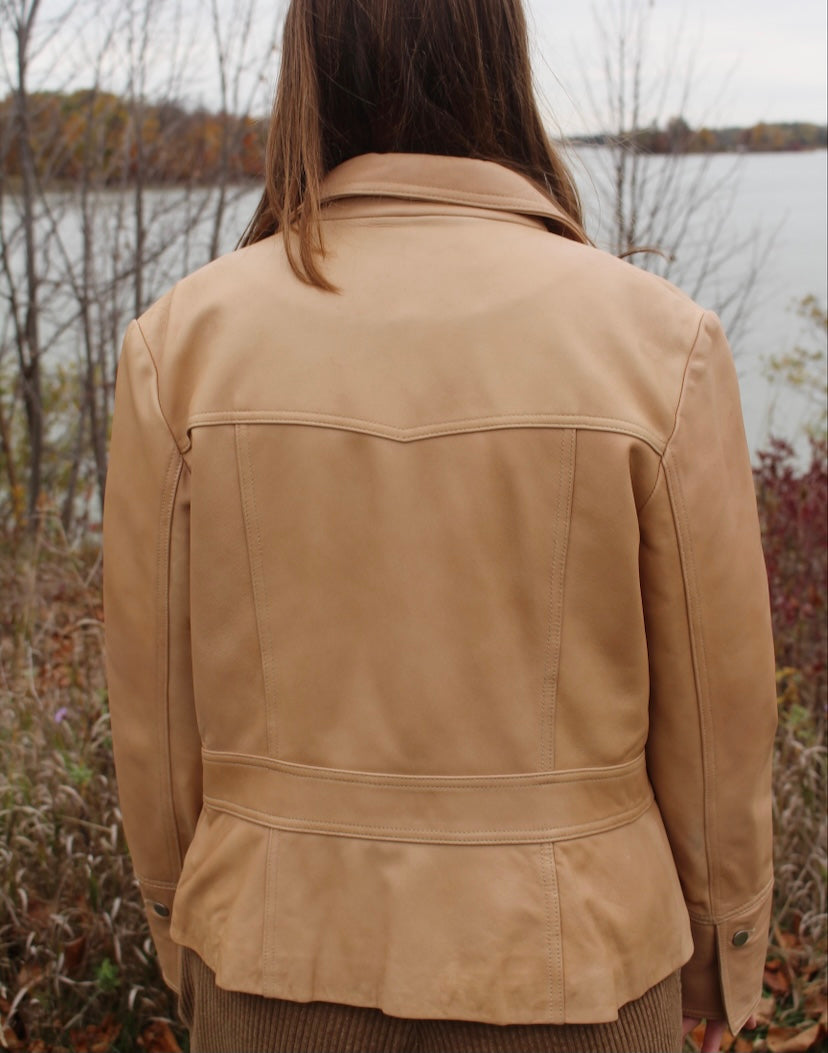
781, 197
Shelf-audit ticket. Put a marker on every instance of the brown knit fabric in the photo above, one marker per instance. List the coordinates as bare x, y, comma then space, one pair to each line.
236, 1022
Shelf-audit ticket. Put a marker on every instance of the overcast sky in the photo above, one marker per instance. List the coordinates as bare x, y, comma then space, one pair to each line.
752, 59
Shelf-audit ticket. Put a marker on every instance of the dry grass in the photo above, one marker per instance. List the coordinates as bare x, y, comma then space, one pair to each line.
74, 946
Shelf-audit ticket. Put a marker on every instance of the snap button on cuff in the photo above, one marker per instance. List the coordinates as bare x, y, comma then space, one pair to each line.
164, 912
740, 938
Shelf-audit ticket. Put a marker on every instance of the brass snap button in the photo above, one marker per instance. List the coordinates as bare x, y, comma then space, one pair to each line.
161, 910
740, 938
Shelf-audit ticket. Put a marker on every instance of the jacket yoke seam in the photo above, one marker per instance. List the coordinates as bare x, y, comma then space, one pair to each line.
434, 429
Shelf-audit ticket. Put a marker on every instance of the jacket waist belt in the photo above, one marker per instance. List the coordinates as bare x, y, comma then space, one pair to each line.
479, 809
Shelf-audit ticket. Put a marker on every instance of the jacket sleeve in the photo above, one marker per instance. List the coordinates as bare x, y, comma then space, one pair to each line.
713, 707
155, 736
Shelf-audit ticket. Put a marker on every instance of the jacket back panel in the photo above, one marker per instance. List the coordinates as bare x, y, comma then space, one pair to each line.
414, 544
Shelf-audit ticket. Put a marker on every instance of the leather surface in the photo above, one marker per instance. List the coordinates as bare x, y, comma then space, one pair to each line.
390, 569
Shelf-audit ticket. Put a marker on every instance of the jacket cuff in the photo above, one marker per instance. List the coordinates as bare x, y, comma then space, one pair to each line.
158, 902
723, 979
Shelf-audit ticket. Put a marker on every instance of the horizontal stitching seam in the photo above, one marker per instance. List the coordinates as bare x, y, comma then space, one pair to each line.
434, 429
241, 810
438, 786
529, 779
435, 192
522, 220
157, 884
743, 908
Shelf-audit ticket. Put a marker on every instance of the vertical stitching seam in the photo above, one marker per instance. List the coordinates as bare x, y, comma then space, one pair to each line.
549, 893
548, 708
560, 1003
269, 926
172, 476
563, 515
260, 600
708, 758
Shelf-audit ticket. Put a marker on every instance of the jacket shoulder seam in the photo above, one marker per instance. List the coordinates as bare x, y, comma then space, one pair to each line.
679, 401
156, 371
666, 446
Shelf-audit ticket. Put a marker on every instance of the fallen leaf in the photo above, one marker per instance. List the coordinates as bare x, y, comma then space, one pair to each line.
10, 1039
743, 1045
96, 1039
728, 1040
41, 910
157, 1037
29, 975
766, 1009
814, 1036
780, 1039
776, 980
815, 1002
73, 953
697, 1034
778, 1036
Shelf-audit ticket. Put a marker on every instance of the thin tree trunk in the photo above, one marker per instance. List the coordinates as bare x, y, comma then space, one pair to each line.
29, 349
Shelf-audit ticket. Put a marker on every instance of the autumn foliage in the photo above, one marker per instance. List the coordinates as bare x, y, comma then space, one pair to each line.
115, 141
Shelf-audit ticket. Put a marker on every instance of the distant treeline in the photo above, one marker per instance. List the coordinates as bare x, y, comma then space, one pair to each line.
679, 137
109, 140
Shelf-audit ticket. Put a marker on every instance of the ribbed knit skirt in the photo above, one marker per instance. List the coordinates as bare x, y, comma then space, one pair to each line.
237, 1022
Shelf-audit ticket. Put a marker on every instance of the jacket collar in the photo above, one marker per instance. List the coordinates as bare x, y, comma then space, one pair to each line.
463, 181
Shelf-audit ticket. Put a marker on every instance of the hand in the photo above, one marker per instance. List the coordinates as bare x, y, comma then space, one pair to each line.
714, 1031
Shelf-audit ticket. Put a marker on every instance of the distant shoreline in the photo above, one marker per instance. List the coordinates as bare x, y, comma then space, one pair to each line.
102, 139
679, 138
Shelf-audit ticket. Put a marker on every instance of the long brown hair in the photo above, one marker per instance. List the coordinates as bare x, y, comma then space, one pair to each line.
448, 77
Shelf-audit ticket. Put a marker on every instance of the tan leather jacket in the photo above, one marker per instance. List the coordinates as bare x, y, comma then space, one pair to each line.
440, 664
